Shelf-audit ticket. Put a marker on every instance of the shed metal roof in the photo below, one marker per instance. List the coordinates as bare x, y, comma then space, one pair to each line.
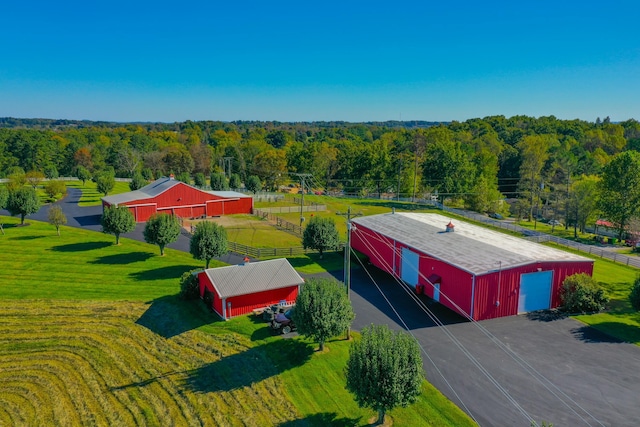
253, 277
158, 187
475, 249
153, 189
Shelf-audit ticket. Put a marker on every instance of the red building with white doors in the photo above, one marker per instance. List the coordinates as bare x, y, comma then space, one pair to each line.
177, 198
477, 272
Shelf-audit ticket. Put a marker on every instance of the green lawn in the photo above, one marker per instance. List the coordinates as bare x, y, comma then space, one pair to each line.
91, 196
82, 264
95, 334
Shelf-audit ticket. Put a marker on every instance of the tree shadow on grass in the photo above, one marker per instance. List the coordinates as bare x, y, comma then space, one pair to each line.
124, 258
171, 272
171, 315
590, 334
322, 419
26, 237
261, 333
249, 367
81, 247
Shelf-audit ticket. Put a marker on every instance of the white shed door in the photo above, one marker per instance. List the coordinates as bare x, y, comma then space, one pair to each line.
410, 263
535, 291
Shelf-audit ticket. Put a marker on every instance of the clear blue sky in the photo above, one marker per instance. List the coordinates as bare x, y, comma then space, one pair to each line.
331, 60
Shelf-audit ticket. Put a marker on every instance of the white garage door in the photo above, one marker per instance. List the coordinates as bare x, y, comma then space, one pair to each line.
535, 291
410, 263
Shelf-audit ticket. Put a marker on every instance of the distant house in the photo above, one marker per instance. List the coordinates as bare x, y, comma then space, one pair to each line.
177, 198
477, 272
239, 289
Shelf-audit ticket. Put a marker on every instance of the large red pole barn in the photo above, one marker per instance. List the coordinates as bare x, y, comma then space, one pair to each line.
477, 272
239, 289
166, 195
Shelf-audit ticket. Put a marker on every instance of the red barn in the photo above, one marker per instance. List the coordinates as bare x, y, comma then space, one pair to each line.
180, 199
239, 289
479, 273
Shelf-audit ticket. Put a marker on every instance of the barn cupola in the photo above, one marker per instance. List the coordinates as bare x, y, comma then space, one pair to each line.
450, 227
172, 177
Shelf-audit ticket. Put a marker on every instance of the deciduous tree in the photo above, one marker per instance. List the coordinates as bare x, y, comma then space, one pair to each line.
209, 240
56, 217
161, 229
137, 181
23, 201
253, 184
105, 183
620, 190
117, 220
34, 178
384, 369
321, 235
83, 174
323, 310
219, 182
54, 188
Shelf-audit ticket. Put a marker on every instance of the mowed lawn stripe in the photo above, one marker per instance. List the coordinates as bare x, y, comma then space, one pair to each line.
82, 264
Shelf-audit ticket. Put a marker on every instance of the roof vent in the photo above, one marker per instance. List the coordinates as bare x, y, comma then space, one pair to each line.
450, 227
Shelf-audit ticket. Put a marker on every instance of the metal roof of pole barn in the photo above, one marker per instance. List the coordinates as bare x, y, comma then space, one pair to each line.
158, 187
253, 277
470, 247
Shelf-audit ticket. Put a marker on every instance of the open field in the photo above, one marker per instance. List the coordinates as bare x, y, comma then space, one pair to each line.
93, 334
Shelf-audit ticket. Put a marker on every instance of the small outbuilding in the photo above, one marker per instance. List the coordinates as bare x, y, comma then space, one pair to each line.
177, 198
239, 289
475, 271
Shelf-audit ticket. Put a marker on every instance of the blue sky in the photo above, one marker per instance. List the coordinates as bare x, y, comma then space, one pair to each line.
330, 60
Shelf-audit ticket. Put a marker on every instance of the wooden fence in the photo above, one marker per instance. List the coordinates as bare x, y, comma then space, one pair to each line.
265, 252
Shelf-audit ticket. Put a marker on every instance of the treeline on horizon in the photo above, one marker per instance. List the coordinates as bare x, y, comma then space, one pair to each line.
478, 162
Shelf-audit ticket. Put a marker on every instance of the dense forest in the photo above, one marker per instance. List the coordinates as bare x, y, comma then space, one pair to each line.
541, 162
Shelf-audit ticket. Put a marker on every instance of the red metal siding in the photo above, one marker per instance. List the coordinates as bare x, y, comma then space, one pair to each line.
205, 284
243, 304
377, 247
142, 213
189, 202
561, 271
214, 208
455, 286
486, 290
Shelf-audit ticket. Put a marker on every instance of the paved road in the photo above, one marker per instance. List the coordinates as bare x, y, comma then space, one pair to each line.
586, 378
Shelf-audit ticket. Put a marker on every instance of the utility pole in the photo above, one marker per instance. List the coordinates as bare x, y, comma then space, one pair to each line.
302, 185
347, 256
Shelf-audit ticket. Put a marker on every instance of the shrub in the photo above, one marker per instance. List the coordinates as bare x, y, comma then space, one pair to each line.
580, 293
634, 296
189, 285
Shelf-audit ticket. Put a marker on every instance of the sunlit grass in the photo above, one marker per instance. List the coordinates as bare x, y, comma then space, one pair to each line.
91, 196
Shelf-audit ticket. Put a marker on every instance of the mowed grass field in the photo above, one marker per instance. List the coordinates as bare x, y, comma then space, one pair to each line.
91, 196
94, 334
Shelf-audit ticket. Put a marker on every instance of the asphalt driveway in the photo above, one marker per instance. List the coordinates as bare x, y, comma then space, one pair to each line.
563, 372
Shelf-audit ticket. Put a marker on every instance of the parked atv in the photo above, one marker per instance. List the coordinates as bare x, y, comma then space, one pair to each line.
282, 322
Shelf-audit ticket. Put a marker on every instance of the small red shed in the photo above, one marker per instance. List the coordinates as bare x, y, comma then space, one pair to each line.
479, 273
177, 198
239, 289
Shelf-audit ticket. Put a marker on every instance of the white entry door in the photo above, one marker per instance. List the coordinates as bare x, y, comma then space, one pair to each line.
410, 264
